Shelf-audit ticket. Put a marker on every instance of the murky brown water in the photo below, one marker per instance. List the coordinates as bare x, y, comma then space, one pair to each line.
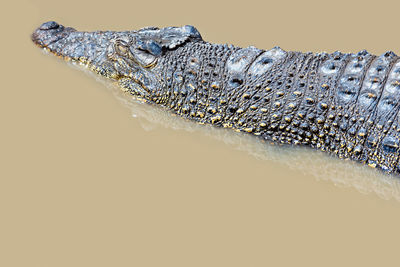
89, 177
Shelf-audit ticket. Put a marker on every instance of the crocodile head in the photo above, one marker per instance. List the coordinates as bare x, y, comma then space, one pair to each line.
134, 59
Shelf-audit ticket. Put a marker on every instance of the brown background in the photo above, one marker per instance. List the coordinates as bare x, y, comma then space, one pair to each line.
82, 183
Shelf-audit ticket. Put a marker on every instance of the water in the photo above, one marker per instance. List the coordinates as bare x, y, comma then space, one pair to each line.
91, 177
308, 162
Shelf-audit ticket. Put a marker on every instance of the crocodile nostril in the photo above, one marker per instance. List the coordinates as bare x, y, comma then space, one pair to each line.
49, 32
49, 25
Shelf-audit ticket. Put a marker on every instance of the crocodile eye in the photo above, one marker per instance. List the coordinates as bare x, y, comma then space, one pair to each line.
121, 49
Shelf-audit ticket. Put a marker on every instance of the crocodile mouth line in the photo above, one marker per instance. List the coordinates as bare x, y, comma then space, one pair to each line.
84, 62
137, 83
81, 60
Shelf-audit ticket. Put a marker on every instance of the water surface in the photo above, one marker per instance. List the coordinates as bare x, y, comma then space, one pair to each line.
90, 177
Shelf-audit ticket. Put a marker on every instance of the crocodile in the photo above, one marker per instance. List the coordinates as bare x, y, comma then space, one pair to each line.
346, 104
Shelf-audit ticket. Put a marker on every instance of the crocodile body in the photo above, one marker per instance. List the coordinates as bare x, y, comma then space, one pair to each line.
344, 104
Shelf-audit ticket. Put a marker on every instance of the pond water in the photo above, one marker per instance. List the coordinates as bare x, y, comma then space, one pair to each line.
91, 177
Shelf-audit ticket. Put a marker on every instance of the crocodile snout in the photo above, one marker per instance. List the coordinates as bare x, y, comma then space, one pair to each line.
49, 32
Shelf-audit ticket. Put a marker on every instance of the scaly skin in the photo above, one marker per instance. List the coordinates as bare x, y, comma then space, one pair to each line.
345, 104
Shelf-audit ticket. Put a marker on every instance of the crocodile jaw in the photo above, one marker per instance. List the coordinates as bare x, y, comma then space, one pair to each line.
87, 48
